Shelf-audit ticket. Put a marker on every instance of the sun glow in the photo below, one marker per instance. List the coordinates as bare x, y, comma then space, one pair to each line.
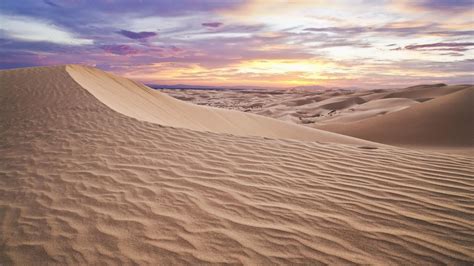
261, 72
280, 66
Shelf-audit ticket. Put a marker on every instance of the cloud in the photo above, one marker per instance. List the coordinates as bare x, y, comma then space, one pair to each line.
212, 24
404, 29
175, 48
457, 67
453, 54
453, 33
338, 29
15, 59
20, 45
137, 35
442, 11
441, 5
395, 29
120, 49
441, 46
35, 30
51, 3
202, 35
341, 42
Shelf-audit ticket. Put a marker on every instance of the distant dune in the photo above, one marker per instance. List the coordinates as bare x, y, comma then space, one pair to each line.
428, 117
426, 92
97, 169
446, 121
371, 109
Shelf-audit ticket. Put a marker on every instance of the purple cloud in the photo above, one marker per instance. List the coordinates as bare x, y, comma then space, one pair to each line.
213, 43
454, 33
120, 49
444, 5
442, 46
392, 29
51, 3
212, 24
385, 29
453, 54
175, 48
137, 35
338, 29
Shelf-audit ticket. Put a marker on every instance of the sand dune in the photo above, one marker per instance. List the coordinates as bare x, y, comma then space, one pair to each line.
81, 183
426, 92
143, 103
446, 122
386, 116
304, 103
341, 102
371, 109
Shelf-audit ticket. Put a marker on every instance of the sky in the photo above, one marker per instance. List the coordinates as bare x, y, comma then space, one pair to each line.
269, 43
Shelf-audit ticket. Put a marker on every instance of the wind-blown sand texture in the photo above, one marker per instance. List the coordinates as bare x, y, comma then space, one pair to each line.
81, 183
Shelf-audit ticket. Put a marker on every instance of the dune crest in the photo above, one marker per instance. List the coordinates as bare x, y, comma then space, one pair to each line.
83, 184
141, 102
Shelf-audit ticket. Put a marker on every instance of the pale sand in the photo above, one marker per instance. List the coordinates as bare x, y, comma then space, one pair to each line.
83, 184
138, 101
425, 117
446, 121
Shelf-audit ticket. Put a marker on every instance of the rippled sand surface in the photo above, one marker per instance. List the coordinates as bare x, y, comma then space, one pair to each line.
81, 183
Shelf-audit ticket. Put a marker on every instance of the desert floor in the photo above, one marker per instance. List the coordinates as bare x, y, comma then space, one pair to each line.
98, 169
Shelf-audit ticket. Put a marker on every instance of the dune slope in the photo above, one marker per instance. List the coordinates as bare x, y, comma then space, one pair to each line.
314, 108
370, 109
446, 121
426, 92
83, 184
143, 103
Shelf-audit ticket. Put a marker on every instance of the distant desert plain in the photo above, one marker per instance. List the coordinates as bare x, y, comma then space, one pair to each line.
99, 169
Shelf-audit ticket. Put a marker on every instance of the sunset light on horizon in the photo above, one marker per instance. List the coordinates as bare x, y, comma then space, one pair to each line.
367, 44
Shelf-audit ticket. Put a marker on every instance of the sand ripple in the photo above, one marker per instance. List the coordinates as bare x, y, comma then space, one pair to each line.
82, 184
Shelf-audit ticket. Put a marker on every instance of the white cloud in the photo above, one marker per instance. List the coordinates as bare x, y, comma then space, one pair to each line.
32, 29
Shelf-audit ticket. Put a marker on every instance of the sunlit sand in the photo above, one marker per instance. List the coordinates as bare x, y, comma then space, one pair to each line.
99, 169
